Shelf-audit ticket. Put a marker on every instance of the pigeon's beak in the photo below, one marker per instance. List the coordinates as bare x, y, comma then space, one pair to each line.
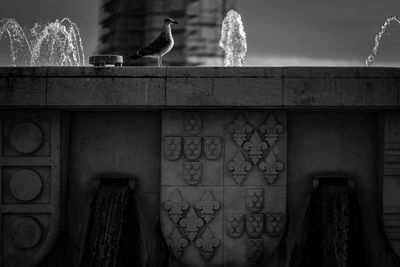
174, 22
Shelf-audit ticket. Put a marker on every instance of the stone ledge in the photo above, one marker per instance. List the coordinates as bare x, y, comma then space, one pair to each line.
169, 87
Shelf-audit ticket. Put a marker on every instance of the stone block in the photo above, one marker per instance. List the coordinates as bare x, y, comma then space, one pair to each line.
105, 92
22, 91
139, 72
218, 72
350, 92
224, 92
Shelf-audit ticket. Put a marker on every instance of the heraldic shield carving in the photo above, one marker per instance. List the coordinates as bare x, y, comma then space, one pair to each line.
223, 197
30, 170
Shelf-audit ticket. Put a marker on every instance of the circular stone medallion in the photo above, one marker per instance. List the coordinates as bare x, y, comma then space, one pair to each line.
25, 185
26, 231
26, 137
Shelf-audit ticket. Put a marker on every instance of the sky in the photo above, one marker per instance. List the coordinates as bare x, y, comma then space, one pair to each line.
279, 32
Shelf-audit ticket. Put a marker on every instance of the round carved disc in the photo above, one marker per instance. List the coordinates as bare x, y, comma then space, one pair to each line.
25, 185
26, 137
27, 232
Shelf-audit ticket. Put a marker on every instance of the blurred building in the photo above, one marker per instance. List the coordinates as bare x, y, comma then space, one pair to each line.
127, 25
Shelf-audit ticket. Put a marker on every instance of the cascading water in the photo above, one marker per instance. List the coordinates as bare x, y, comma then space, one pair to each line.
233, 40
371, 58
114, 228
56, 43
333, 236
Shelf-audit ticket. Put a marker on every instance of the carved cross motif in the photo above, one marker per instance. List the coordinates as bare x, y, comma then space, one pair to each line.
176, 243
271, 167
271, 129
275, 223
234, 225
207, 206
191, 223
192, 122
192, 172
212, 147
192, 147
255, 146
255, 199
254, 224
207, 244
175, 206
172, 147
239, 167
239, 130
254, 249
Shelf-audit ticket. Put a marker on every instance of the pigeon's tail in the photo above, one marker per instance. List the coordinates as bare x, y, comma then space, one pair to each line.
135, 56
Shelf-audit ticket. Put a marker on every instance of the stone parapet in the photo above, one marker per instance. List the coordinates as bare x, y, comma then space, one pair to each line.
199, 87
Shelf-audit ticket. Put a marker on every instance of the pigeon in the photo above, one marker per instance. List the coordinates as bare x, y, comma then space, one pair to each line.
160, 46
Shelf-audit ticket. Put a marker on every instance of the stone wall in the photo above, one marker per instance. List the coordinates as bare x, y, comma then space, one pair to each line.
109, 123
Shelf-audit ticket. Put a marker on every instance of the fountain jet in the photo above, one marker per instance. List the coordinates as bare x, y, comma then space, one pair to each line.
371, 58
233, 40
55, 43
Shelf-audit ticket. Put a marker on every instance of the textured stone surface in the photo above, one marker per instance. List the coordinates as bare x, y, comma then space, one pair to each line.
226, 190
22, 91
31, 185
347, 92
391, 180
200, 86
105, 92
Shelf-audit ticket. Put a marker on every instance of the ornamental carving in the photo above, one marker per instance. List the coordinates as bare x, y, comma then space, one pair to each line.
207, 206
192, 172
30, 179
254, 249
255, 199
172, 147
254, 224
239, 167
191, 223
271, 167
271, 130
192, 147
255, 147
234, 225
275, 223
176, 243
214, 195
175, 206
207, 244
239, 130
212, 147
192, 122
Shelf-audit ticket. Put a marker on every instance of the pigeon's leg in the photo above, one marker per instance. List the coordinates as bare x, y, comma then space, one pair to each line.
159, 61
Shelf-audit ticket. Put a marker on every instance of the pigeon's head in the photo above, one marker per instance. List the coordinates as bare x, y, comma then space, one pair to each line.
169, 21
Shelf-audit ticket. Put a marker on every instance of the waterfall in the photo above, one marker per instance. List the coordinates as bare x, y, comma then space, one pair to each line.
333, 235
114, 228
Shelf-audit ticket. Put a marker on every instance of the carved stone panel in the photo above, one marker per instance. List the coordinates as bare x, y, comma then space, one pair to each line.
30, 179
391, 180
254, 224
234, 225
274, 224
192, 172
218, 197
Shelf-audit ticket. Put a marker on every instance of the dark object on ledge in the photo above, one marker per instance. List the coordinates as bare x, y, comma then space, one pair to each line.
333, 236
103, 60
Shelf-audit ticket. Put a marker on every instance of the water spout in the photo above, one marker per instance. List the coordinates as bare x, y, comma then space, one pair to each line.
55, 43
233, 40
371, 58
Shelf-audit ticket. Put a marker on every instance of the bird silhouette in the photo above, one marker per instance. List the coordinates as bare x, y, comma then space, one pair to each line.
160, 46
